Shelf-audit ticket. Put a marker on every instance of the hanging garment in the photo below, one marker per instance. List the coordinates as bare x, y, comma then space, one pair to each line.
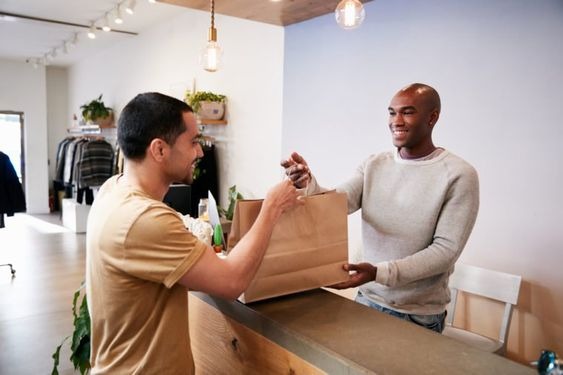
11, 192
61, 156
96, 163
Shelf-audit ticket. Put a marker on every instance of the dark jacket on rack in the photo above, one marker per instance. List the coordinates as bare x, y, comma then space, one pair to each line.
11, 191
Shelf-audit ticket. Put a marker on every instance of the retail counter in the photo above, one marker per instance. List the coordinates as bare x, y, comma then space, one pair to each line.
319, 332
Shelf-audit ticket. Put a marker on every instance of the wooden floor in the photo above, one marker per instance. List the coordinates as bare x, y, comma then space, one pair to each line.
35, 305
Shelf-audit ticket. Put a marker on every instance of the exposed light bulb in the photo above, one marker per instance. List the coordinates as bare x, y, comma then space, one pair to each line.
349, 14
130, 7
211, 56
106, 27
92, 31
118, 18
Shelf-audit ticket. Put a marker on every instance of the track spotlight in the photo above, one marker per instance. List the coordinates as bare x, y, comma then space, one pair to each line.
130, 7
106, 27
92, 31
118, 18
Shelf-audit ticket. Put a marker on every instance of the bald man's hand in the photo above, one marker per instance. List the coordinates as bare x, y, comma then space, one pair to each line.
297, 170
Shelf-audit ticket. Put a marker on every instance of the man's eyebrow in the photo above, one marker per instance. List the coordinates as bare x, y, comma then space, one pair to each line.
402, 108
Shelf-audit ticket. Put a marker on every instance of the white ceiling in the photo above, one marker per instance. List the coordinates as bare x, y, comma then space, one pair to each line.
22, 39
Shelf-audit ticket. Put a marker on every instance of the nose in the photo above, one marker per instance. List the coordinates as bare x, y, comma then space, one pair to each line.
199, 151
396, 118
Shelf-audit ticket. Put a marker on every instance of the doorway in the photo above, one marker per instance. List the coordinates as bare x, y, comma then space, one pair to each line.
12, 141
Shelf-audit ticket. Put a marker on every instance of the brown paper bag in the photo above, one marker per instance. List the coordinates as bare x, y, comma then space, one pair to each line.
308, 247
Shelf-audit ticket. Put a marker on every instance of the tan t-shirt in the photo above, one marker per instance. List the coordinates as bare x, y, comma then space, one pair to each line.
137, 249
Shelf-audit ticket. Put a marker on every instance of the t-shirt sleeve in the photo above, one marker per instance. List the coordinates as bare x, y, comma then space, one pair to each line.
159, 248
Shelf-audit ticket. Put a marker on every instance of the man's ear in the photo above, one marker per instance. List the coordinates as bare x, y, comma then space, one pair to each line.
434, 117
158, 149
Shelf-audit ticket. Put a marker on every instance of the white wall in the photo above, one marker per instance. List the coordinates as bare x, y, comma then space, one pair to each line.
498, 67
23, 89
165, 59
58, 118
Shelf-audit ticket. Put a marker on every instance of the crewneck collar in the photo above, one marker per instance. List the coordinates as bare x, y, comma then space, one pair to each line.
438, 154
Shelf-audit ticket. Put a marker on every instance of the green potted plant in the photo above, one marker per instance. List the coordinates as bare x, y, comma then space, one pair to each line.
234, 195
80, 344
96, 112
206, 104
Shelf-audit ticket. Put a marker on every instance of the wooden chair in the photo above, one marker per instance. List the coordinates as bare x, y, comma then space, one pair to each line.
496, 285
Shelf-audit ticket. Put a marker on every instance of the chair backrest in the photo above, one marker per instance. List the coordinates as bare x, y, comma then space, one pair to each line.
496, 285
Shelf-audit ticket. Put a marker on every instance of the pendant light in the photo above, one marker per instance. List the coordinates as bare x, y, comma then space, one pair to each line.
210, 57
349, 14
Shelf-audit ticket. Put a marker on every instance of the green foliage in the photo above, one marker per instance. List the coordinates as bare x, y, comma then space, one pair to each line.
80, 345
195, 98
234, 195
218, 235
95, 109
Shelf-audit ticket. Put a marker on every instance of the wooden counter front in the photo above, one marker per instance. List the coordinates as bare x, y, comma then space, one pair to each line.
319, 332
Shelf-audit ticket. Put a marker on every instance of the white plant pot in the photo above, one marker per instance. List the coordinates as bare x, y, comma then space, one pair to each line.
211, 110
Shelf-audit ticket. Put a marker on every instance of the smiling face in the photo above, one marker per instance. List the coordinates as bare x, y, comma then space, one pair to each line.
413, 112
185, 152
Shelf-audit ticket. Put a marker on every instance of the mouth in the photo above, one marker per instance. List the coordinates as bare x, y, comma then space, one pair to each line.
399, 132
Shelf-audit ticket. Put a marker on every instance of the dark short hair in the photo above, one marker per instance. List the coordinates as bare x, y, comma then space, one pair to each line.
146, 117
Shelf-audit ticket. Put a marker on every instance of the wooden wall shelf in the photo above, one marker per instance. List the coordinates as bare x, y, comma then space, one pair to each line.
204, 121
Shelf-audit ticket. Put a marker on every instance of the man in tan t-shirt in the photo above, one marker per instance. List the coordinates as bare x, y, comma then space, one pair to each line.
140, 258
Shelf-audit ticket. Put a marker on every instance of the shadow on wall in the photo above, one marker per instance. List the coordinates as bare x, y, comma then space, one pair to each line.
537, 311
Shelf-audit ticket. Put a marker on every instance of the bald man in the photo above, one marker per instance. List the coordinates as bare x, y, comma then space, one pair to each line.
419, 203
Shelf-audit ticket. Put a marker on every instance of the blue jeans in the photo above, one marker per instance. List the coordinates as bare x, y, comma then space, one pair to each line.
432, 322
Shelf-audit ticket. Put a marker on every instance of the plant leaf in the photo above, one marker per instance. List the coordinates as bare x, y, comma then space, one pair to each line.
56, 356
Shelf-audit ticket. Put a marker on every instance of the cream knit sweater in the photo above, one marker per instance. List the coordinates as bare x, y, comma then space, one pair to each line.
416, 219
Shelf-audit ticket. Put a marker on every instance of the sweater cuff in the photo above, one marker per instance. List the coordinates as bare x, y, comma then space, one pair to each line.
382, 274
311, 188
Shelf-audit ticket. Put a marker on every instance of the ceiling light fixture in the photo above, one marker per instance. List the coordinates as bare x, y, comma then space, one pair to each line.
118, 18
106, 27
349, 14
130, 7
92, 31
210, 57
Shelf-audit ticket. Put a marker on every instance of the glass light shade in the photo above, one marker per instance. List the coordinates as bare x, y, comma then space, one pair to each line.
210, 58
349, 14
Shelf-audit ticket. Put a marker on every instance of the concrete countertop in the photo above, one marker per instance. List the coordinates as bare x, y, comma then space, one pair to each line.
340, 336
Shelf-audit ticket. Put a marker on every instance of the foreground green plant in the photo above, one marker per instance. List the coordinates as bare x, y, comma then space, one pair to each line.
80, 344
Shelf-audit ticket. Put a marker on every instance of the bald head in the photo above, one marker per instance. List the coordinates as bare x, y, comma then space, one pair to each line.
425, 95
